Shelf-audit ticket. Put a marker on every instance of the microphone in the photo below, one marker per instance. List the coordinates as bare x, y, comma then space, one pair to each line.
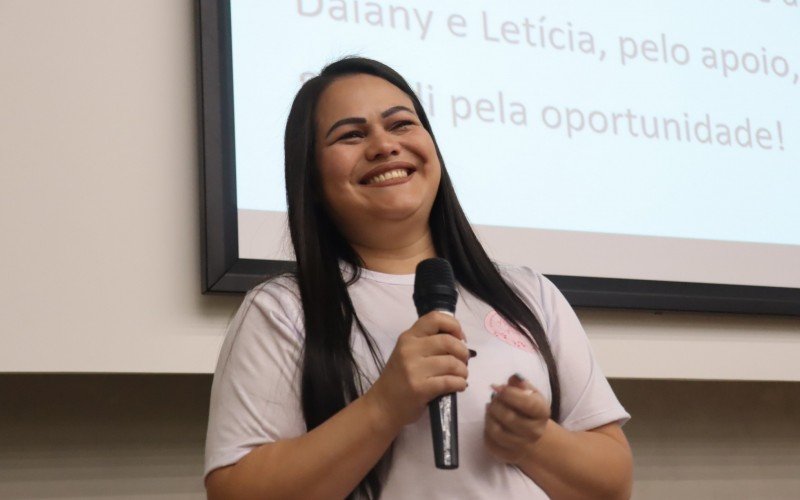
435, 290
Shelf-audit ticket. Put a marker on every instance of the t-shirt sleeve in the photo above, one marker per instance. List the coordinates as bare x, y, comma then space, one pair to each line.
587, 400
255, 392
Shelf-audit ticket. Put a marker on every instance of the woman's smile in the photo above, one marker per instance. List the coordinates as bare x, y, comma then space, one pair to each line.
389, 174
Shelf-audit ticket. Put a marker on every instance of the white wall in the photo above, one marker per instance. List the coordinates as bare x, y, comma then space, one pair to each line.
100, 217
99, 221
100, 190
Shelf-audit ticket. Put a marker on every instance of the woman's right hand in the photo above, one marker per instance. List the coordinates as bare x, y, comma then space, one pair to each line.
429, 360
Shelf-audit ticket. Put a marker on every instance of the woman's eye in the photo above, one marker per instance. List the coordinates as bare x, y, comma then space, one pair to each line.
351, 134
402, 124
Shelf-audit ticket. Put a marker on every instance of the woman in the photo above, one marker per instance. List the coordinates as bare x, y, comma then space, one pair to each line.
318, 394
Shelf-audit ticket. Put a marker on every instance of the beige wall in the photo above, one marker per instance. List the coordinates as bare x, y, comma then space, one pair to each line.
100, 190
99, 222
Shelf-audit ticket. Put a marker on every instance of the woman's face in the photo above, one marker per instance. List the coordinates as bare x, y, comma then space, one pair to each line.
377, 163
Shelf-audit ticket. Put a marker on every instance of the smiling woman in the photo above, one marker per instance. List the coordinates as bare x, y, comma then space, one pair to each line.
325, 374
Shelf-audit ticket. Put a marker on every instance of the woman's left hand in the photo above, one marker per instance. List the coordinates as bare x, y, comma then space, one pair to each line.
516, 418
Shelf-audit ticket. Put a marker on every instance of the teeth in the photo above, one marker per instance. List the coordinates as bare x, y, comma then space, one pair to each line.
391, 174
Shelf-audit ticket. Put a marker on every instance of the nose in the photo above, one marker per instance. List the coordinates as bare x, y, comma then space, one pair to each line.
382, 144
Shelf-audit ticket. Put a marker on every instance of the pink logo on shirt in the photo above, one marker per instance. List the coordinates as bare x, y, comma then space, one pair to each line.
501, 329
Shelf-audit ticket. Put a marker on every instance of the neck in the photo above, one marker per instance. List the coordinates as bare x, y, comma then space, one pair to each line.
397, 257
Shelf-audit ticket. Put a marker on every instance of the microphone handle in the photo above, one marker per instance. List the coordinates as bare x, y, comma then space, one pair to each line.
444, 428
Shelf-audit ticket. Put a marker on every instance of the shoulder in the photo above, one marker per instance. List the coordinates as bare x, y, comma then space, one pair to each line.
282, 287
526, 281
522, 276
536, 290
278, 296
270, 311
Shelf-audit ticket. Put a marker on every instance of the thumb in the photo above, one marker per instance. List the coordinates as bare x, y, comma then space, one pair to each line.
518, 381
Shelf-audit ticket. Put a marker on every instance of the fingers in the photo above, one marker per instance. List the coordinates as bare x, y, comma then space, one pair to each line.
518, 380
440, 375
428, 360
496, 432
518, 411
437, 322
438, 385
436, 333
445, 384
527, 403
523, 398
446, 344
508, 418
445, 365
515, 420
434, 345
505, 445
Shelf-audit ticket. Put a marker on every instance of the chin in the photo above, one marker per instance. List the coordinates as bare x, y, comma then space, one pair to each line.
394, 215
396, 211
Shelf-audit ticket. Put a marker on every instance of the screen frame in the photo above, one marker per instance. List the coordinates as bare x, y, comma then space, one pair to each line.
224, 272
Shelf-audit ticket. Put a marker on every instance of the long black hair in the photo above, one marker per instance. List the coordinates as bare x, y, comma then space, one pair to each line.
330, 375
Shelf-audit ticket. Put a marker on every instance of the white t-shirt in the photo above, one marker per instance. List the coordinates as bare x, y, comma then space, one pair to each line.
255, 397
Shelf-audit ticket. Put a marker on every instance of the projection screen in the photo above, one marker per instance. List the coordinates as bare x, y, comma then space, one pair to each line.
643, 154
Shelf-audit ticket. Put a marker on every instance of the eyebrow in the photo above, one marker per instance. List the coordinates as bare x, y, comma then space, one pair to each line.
347, 121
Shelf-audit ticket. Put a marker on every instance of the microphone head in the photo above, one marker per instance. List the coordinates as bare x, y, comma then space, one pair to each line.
435, 286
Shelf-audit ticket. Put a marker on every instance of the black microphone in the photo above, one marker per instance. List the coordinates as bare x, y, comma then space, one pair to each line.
435, 290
